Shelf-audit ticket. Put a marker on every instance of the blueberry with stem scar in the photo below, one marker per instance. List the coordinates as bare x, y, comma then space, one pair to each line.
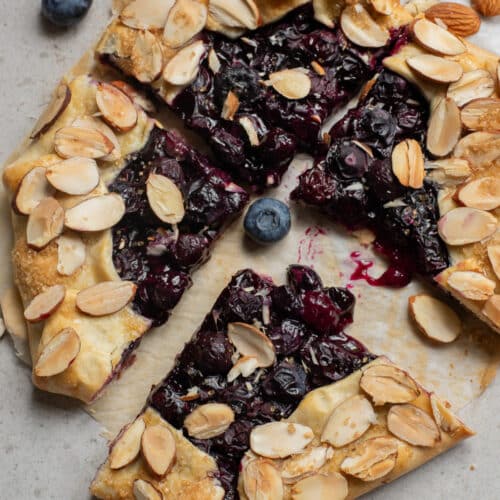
267, 220
65, 12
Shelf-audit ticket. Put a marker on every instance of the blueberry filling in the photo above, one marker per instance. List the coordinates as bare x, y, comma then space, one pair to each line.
353, 180
304, 321
156, 256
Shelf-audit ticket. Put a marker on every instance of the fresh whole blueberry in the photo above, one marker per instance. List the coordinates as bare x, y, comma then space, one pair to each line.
65, 12
267, 220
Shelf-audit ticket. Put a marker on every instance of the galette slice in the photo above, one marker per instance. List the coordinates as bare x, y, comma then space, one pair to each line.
257, 91
271, 399
111, 215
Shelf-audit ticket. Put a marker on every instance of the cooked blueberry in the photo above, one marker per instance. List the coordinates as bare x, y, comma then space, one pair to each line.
267, 220
302, 278
287, 381
65, 12
320, 312
347, 159
288, 336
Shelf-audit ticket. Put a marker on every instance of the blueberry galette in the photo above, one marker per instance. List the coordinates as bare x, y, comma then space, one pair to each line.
271, 399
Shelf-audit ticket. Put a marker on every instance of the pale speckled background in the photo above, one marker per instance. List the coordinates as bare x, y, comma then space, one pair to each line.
49, 448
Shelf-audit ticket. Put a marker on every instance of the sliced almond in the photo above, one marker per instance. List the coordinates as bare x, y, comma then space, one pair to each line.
299, 466
331, 486
231, 106
261, 480
435, 68
86, 142
185, 20
388, 384
471, 285
483, 193
92, 122
45, 303
146, 57
384, 7
372, 459
413, 425
326, 11
436, 39
408, 163
135, 96
494, 258
291, 83
449, 171
479, 148
183, 68
245, 366
145, 491
349, 421
165, 199
158, 449
434, 318
127, 447
360, 27
32, 190
146, 14
482, 114
71, 253
444, 127
251, 131
213, 61
55, 109
209, 420
116, 107
45, 223
445, 420
96, 214
75, 176
472, 85
464, 225
250, 341
236, 14
491, 309
58, 354
318, 69
105, 298
280, 439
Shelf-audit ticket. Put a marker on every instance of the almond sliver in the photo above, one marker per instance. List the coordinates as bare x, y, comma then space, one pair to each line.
58, 354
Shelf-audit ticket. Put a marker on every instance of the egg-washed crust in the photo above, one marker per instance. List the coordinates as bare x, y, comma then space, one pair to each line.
313, 411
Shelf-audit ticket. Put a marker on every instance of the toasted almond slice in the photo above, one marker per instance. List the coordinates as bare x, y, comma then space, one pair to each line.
492, 309
158, 448
436, 39
388, 384
331, 486
261, 480
482, 114
280, 439
372, 459
32, 190
250, 129
464, 225
471, 285
55, 109
105, 298
96, 214
209, 420
135, 96
348, 421
58, 354
384, 7
116, 107
86, 142
145, 491
213, 61
494, 257
75, 176
245, 366
413, 425
434, 319
146, 14
97, 124
479, 148
483, 193
360, 28
45, 223
236, 14
45, 303
250, 341
165, 199
231, 106
185, 20
71, 253
183, 68
449, 171
128, 445
472, 85
435, 68
291, 83
408, 163
146, 57
444, 127
299, 466
445, 420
